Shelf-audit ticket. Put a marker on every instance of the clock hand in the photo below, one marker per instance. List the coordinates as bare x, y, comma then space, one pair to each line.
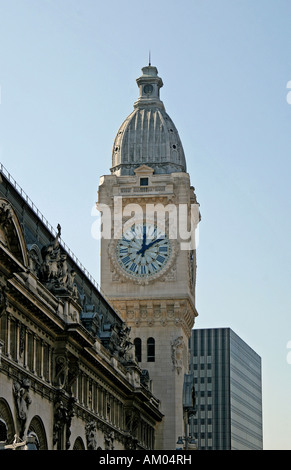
142, 250
152, 243
144, 238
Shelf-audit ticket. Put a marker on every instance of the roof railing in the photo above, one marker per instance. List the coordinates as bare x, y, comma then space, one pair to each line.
51, 229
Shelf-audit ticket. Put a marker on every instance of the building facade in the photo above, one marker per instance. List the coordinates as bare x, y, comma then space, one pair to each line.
228, 390
148, 253
68, 376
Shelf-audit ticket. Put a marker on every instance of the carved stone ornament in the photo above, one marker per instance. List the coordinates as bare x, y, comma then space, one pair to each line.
35, 259
115, 337
168, 273
91, 435
108, 440
5, 218
145, 378
177, 347
22, 401
61, 371
63, 414
54, 271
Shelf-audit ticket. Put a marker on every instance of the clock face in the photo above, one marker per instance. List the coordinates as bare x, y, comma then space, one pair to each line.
148, 89
143, 251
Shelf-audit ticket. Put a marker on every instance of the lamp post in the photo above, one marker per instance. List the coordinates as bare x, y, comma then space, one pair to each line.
190, 443
189, 410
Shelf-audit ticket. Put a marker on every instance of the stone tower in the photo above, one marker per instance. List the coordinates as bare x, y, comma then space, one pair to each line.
148, 253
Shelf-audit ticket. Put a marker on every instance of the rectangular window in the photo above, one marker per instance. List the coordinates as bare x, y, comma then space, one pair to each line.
144, 181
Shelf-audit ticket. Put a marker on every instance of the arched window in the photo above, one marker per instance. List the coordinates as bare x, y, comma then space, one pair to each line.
151, 350
3, 431
137, 345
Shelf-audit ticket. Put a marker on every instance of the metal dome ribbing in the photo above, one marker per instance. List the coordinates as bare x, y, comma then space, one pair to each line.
148, 135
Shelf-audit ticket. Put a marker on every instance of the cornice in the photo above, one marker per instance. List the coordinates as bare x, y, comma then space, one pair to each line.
178, 312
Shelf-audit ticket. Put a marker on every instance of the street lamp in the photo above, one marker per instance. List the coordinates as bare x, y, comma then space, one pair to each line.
189, 410
190, 443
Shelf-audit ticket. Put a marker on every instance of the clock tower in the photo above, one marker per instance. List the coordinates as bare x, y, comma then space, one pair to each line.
148, 252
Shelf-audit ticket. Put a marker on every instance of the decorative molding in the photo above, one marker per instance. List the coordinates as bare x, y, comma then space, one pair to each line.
138, 312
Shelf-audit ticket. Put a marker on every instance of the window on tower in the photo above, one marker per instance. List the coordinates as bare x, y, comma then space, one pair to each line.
151, 350
144, 181
137, 345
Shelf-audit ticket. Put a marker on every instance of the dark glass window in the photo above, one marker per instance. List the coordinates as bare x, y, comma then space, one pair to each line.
151, 350
137, 345
144, 182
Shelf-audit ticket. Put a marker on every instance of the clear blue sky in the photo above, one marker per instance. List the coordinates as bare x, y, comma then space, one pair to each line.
67, 77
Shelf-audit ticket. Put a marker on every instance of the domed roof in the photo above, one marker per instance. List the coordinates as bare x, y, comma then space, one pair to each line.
148, 135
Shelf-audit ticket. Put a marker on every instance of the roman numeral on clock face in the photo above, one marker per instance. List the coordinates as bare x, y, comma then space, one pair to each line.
143, 250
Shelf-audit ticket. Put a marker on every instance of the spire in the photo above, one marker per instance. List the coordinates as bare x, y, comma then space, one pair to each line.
149, 84
148, 135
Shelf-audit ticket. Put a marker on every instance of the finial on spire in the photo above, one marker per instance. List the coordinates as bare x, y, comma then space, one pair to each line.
149, 58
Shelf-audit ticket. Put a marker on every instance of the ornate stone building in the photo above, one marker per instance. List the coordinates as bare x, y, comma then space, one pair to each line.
148, 253
68, 377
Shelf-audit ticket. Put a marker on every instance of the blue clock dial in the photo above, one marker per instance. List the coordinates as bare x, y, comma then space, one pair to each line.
143, 251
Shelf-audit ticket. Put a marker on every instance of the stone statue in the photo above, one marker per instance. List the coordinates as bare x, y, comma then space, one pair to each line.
108, 440
119, 342
55, 273
63, 414
91, 435
177, 353
22, 402
5, 218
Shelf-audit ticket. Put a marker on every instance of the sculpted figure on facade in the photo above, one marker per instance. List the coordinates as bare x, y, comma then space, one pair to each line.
55, 271
177, 353
132, 421
91, 435
145, 378
51, 257
108, 440
34, 259
5, 218
22, 401
63, 414
120, 343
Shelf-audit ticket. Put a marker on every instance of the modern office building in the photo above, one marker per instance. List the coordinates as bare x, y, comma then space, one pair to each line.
228, 391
